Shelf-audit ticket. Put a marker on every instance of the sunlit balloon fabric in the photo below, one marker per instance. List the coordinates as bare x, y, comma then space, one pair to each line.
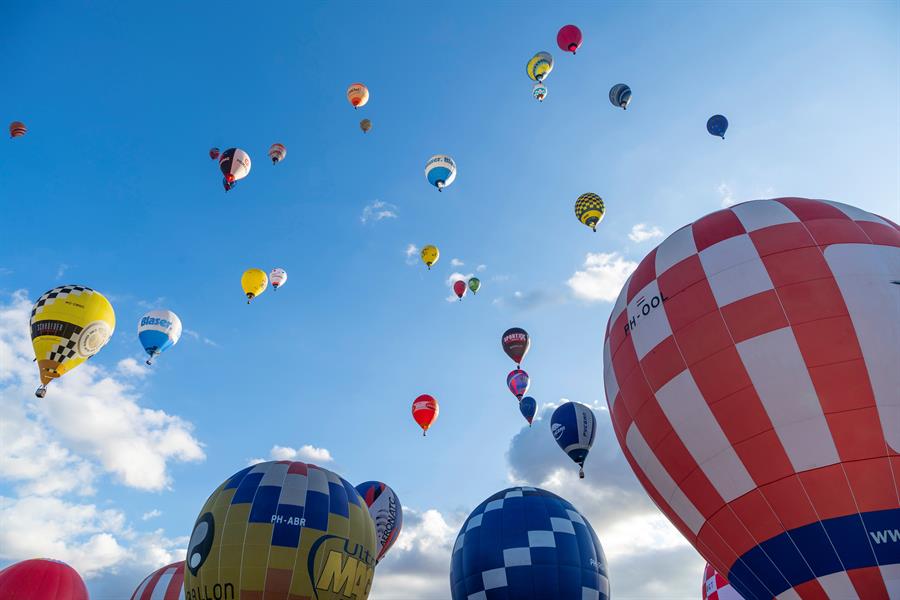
440, 170
158, 330
620, 95
278, 277
716, 587
569, 38
524, 543
282, 530
69, 324
425, 410
254, 282
235, 164
573, 427
41, 579
277, 152
539, 66
166, 583
385, 510
589, 208
751, 369
430, 255
17, 129
357, 95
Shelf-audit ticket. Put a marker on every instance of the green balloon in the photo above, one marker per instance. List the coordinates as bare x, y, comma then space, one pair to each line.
474, 284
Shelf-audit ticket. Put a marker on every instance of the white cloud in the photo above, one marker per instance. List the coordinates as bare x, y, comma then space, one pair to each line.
642, 232
196, 335
481, 268
603, 276
726, 196
157, 302
152, 514
377, 211
412, 254
305, 453
129, 367
455, 262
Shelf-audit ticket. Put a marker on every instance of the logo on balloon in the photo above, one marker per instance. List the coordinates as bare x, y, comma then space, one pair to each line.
92, 338
643, 307
558, 430
201, 542
347, 571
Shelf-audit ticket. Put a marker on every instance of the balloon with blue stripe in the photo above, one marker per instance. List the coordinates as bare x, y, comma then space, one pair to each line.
440, 171
158, 330
717, 126
573, 426
620, 95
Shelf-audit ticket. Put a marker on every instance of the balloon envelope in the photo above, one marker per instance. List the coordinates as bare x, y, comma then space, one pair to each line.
166, 583
365, 125
357, 95
539, 66
430, 255
277, 152
516, 343
282, 529
278, 277
159, 330
235, 164
425, 411
17, 129
716, 587
440, 170
620, 95
573, 427
539, 91
750, 366
569, 38
474, 284
385, 510
528, 406
41, 579
460, 288
590, 209
518, 381
214, 153
717, 125
525, 543
254, 283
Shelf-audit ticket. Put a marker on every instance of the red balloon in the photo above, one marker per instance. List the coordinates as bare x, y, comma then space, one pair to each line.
516, 343
460, 288
716, 587
214, 153
17, 129
425, 411
163, 584
569, 38
41, 579
751, 369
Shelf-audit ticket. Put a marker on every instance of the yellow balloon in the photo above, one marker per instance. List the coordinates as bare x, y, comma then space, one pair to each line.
254, 282
69, 324
430, 255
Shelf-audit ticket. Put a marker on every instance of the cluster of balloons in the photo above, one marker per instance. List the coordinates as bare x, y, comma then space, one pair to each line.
461, 286
255, 281
516, 343
17, 129
235, 163
358, 96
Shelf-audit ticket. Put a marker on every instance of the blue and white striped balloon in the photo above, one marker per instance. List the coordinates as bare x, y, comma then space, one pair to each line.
158, 330
440, 171
620, 95
573, 426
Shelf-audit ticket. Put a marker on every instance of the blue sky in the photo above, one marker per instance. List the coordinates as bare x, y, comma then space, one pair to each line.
112, 188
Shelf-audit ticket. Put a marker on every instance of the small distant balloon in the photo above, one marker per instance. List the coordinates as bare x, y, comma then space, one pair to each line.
589, 208
254, 283
277, 152
214, 153
158, 330
516, 343
365, 125
425, 411
235, 165
539, 66
357, 94
539, 91
460, 288
620, 95
573, 426
430, 255
717, 125
518, 381
440, 170
569, 38
528, 406
474, 284
278, 277
17, 129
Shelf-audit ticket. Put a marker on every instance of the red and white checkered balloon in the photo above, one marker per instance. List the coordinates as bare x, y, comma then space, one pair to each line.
752, 370
716, 587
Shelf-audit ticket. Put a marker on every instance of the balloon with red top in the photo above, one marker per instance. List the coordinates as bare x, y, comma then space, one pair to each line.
165, 583
41, 579
425, 411
569, 38
750, 366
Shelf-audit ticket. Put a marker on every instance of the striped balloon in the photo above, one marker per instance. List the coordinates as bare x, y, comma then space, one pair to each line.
751, 369
620, 95
17, 129
277, 152
166, 583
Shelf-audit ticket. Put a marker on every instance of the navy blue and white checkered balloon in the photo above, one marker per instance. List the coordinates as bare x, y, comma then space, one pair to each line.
525, 543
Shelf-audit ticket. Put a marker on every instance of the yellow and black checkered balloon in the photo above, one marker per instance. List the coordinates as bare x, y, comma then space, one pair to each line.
589, 209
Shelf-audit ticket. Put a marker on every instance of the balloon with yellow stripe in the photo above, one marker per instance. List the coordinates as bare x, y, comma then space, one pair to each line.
254, 282
589, 209
282, 529
69, 324
539, 66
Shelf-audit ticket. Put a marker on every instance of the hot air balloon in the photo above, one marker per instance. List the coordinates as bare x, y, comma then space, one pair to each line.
569, 38
474, 284
516, 343
365, 125
425, 411
750, 366
620, 95
460, 288
357, 94
41, 579
539, 67
278, 277
528, 406
254, 283
17, 129
235, 165
69, 324
385, 510
158, 330
525, 543
716, 587
166, 583
573, 427
282, 529
539, 91
717, 125
517, 381
440, 170
277, 152
430, 255
589, 209
214, 153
